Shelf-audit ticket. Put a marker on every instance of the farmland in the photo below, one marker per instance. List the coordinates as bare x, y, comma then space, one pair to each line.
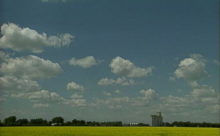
108, 131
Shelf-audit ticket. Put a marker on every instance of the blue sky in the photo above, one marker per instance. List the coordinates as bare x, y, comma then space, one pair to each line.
110, 59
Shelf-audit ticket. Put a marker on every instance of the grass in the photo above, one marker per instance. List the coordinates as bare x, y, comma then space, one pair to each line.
108, 131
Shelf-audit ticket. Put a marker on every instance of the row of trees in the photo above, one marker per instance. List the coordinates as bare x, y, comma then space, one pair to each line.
56, 121
190, 124
59, 121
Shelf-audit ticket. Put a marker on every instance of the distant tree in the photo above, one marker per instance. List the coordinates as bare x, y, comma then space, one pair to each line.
193, 124
58, 120
81, 123
89, 123
49, 123
1, 123
143, 124
38, 122
93, 123
68, 123
75, 122
22, 122
10, 121
167, 124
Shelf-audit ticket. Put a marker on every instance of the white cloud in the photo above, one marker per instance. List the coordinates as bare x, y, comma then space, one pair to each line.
107, 93
85, 62
19, 77
113, 102
72, 86
76, 100
76, 96
123, 67
54, 1
44, 95
10, 84
119, 81
202, 97
148, 96
176, 104
174, 100
40, 105
18, 81
217, 62
2, 99
106, 82
206, 96
214, 108
30, 67
3, 57
110, 93
191, 69
26, 39
203, 91
117, 91
41, 96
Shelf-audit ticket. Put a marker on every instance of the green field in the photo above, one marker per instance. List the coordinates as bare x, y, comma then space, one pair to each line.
108, 131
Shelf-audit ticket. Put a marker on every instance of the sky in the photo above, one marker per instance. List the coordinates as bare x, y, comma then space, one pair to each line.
110, 60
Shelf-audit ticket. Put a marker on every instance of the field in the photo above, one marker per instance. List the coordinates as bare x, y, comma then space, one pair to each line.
108, 131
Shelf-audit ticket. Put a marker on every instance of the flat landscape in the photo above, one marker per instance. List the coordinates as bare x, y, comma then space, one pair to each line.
108, 131
109, 68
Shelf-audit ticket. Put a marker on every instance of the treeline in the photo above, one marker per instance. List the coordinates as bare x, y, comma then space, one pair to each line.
191, 124
59, 121
56, 121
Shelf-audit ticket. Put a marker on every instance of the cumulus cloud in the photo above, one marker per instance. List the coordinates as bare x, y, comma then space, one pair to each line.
85, 62
202, 96
11, 84
205, 95
30, 67
176, 104
217, 62
73, 86
191, 69
123, 67
147, 96
26, 39
203, 91
214, 108
20, 75
110, 93
119, 81
54, 1
40, 105
2, 99
3, 57
43, 94
107, 93
43, 98
113, 102
76, 96
40, 96
76, 100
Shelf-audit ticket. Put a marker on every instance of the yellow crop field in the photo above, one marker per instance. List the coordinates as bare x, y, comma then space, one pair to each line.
108, 131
